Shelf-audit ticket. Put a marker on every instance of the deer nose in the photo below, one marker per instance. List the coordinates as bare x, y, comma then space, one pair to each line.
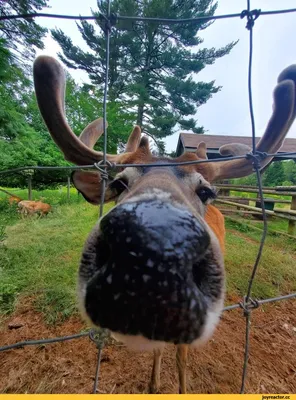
146, 273
154, 229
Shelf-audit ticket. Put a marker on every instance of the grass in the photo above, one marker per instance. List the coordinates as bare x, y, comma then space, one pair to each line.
252, 196
276, 274
39, 258
54, 197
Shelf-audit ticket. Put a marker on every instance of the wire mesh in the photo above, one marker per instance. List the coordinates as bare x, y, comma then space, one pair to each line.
248, 304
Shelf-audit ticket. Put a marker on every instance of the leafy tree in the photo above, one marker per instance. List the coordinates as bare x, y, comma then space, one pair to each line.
274, 175
22, 36
24, 139
290, 171
279, 173
247, 180
20, 143
151, 65
85, 104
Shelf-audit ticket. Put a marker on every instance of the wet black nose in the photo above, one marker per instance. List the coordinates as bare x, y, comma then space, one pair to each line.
146, 253
156, 230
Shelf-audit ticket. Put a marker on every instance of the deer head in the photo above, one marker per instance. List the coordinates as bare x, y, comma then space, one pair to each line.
152, 268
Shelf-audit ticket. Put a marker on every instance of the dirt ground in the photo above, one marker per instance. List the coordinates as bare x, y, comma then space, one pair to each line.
69, 367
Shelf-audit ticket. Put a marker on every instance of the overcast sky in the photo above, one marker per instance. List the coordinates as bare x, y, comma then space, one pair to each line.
227, 113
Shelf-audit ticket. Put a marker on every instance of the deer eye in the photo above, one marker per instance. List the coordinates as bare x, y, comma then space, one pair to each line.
206, 193
119, 185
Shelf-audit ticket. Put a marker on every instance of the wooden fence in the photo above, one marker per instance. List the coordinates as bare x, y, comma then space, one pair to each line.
241, 205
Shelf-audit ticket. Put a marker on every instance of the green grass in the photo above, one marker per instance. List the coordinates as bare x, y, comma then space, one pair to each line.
53, 197
274, 224
268, 196
276, 272
39, 258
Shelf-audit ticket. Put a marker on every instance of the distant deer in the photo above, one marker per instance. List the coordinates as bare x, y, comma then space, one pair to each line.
12, 198
152, 268
28, 207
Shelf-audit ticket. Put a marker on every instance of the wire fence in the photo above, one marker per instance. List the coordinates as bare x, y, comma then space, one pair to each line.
248, 304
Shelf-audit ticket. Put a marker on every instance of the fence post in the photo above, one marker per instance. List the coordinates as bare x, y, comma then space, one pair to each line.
68, 188
29, 173
292, 224
225, 191
30, 187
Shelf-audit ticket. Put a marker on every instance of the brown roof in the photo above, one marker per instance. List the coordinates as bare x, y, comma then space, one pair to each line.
191, 140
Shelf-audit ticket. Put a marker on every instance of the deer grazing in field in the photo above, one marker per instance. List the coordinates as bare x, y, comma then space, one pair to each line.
28, 207
152, 268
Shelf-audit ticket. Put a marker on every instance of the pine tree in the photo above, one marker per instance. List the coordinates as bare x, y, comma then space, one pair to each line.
151, 65
22, 36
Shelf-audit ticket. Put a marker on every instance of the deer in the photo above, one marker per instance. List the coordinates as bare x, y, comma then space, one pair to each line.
152, 269
12, 198
29, 207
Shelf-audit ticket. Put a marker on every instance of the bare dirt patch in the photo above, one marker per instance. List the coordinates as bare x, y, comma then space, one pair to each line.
216, 368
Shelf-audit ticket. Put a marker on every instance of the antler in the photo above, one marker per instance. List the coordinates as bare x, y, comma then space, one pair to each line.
49, 81
284, 112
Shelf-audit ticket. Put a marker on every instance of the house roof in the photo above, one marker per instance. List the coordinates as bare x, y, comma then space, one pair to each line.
189, 142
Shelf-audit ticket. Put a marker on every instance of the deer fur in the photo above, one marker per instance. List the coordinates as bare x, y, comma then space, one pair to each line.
28, 207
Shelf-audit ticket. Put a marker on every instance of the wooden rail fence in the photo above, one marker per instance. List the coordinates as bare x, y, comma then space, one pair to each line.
241, 205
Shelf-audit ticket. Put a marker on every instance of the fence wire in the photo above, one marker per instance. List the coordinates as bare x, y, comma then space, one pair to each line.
114, 17
113, 165
248, 304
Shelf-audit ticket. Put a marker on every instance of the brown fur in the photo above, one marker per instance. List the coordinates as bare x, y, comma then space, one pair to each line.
28, 207
14, 199
215, 220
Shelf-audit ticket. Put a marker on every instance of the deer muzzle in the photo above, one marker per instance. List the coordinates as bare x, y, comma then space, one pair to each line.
143, 272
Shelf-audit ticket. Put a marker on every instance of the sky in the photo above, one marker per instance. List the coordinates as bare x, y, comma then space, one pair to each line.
227, 112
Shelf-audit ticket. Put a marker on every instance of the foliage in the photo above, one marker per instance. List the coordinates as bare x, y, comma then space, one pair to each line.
24, 139
20, 143
151, 65
274, 175
85, 104
290, 171
22, 36
279, 173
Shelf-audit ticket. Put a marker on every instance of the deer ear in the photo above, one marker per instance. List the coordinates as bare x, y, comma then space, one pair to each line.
88, 184
201, 151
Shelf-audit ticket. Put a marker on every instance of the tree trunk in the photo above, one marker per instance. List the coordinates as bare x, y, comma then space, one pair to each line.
140, 115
